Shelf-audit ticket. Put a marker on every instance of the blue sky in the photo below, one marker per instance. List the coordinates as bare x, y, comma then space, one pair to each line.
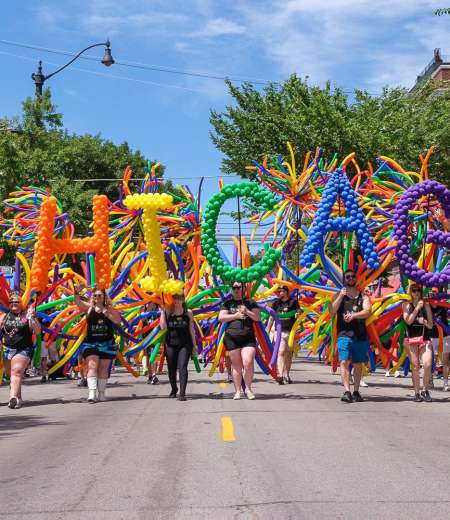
365, 44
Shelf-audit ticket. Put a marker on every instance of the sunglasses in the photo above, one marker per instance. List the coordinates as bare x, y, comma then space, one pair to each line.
13, 302
350, 277
415, 290
236, 287
98, 295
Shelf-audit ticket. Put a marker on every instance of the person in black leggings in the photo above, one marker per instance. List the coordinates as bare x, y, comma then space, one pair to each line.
180, 343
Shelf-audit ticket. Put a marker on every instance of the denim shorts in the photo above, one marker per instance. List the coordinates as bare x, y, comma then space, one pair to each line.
357, 349
9, 353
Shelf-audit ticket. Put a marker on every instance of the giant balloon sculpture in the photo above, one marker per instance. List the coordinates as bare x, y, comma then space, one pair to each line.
313, 221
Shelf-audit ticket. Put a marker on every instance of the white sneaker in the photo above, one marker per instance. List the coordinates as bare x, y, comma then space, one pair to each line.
92, 397
363, 383
397, 373
250, 395
445, 388
237, 396
388, 373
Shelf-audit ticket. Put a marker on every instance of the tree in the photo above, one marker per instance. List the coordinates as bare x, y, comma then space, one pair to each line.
440, 12
36, 149
397, 123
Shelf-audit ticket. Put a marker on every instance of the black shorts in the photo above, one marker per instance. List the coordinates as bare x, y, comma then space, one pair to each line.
236, 342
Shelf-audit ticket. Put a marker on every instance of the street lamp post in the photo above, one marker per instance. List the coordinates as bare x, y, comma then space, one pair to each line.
39, 78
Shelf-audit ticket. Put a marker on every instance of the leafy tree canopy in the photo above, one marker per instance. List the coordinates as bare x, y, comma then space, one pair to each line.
397, 123
36, 150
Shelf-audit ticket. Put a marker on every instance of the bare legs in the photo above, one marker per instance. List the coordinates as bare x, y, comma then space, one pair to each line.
345, 375
422, 353
242, 364
16, 369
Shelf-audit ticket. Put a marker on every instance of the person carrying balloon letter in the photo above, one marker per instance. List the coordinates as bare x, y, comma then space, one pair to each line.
180, 343
441, 314
99, 347
352, 308
419, 321
239, 338
17, 328
286, 309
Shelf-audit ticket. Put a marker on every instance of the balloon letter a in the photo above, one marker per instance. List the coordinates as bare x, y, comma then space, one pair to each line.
338, 185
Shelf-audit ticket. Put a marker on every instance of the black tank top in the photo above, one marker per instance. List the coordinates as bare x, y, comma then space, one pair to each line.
417, 329
356, 328
178, 334
99, 327
16, 331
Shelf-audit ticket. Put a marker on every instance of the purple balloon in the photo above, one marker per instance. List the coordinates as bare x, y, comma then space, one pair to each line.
406, 262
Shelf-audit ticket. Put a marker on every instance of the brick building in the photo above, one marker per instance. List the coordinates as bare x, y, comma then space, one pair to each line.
438, 70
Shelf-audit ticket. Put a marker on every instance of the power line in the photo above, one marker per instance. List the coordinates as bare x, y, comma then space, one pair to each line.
144, 66
159, 68
108, 75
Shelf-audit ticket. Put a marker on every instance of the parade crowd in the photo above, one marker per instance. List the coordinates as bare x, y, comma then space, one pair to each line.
20, 327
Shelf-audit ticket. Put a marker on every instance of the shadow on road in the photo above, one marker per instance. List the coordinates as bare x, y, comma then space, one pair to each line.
14, 424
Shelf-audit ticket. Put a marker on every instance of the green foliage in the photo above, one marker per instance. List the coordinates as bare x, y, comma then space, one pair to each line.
41, 152
397, 123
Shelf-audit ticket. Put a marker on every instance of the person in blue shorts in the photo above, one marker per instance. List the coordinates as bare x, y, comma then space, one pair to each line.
352, 308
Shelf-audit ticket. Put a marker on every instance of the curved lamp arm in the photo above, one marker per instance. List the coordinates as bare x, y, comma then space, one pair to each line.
39, 77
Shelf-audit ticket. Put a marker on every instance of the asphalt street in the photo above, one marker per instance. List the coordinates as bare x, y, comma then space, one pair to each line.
294, 452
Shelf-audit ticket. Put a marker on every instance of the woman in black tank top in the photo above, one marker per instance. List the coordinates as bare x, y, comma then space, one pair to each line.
99, 347
180, 343
419, 321
17, 329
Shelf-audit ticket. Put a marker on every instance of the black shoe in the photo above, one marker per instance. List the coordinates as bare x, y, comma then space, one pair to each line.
182, 398
357, 397
288, 380
82, 382
418, 398
347, 397
150, 380
155, 380
426, 396
173, 393
43, 379
281, 381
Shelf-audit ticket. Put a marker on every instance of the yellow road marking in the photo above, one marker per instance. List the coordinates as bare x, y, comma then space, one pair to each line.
227, 433
222, 385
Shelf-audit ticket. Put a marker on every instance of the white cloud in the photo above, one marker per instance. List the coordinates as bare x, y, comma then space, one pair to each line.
219, 27
363, 43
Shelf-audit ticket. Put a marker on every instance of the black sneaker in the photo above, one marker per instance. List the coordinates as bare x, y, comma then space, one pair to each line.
347, 397
281, 381
155, 380
173, 394
150, 380
357, 397
288, 380
43, 379
418, 398
182, 398
13, 402
82, 382
426, 396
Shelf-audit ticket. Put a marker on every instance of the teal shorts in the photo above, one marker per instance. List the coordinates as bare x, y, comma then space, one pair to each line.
357, 350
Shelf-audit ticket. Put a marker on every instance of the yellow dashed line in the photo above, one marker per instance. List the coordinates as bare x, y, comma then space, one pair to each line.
222, 385
227, 433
